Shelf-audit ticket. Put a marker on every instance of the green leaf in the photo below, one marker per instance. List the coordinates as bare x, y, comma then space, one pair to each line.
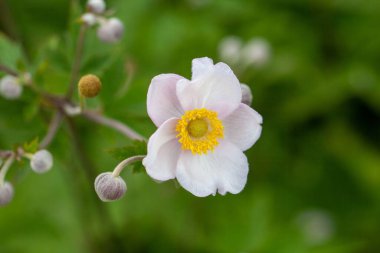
10, 52
32, 146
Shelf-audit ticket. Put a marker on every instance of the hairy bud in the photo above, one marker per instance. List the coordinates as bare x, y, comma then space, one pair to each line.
10, 87
111, 31
89, 19
246, 93
110, 188
41, 161
6, 193
89, 86
96, 6
229, 49
256, 52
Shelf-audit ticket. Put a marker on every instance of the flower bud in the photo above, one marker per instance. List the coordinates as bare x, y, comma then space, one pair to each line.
88, 19
111, 30
110, 188
41, 161
246, 94
229, 49
89, 86
10, 87
6, 193
96, 6
256, 52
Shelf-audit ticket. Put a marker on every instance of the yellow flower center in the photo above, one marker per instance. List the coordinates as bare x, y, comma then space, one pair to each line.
199, 130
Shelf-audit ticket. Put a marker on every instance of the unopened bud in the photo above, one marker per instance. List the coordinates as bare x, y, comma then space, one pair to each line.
89, 19
41, 161
96, 6
6, 193
111, 30
10, 87
89, 86
256, 52
110, 187
246, 94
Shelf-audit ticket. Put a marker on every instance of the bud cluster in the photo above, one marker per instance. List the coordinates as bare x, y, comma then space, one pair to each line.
110, 30
255, 52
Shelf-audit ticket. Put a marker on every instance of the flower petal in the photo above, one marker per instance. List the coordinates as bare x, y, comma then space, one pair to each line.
162, 101
163, 152
217, 89
201, 66
242, 127
224, 170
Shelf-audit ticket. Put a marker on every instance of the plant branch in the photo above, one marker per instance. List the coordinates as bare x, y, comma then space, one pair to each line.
54, 125
8, 70
112, 123
119, 168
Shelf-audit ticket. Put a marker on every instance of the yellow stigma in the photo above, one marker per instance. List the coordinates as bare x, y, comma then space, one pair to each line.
199, 130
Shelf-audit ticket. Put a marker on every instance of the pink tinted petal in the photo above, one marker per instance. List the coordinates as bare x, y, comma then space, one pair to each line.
163, 152
162, 101
201, 66
217, 89
243, 127
224, 170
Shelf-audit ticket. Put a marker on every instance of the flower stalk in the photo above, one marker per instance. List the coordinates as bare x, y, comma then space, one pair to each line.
119, 168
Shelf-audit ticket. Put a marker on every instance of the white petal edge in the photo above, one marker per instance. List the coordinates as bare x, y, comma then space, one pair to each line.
243, 127
163, 152
162, 101
217, 89
201, 66
224, 170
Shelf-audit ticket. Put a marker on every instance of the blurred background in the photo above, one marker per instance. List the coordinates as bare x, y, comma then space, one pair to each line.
314, 183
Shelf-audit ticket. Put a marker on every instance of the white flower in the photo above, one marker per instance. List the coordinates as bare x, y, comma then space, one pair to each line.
229, 49
203, 129
89, 19
110, 187
96, 6
6, 193
256, 52
41, 161
246, 93
111, 30
10, 87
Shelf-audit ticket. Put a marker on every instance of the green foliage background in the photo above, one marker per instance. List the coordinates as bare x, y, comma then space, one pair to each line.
320, 147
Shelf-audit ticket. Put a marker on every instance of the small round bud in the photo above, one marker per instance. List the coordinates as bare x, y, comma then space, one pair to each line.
96, 6
89, 19
256, 52
10, 87
6, 193
41, 161
110, 188
229, 49
89, 86
246, 94
111, 31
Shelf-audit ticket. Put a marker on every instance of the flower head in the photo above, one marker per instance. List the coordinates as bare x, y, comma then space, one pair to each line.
203, 129
41, 161
89, 86
111, 30
10, 87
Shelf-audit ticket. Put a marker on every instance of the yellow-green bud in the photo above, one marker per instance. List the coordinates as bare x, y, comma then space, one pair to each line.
89, 86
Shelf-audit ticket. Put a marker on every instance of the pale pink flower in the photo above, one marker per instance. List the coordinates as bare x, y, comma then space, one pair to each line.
203, 129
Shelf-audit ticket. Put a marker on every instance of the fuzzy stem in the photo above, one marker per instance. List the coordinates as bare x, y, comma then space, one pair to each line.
5, 168
53, 128
119, 168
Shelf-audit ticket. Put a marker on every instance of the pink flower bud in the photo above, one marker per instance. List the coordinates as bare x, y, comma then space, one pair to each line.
110, 187
6, 193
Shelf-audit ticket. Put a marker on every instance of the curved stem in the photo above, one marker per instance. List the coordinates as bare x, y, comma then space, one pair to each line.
5, 168
8, 70
119, 168
53, 127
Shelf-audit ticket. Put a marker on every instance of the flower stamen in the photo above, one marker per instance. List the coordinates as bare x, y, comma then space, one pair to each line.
199, 130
